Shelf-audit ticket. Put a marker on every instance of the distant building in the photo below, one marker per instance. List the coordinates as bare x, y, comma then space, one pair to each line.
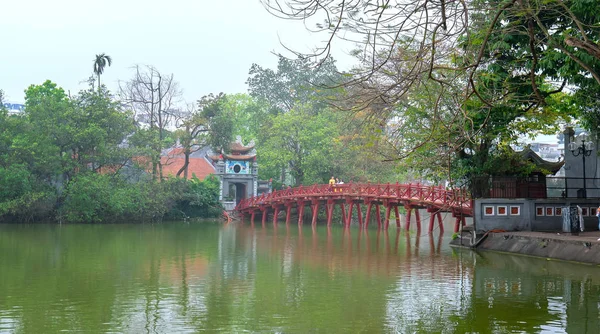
14, 108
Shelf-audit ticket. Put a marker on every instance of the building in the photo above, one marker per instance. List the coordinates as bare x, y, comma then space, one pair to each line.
14, 108
540, 202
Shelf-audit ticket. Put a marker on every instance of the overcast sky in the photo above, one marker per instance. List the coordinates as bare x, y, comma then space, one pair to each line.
208, 45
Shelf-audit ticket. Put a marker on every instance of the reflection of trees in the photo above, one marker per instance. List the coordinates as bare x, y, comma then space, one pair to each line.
167, 278
101, 278
520, 294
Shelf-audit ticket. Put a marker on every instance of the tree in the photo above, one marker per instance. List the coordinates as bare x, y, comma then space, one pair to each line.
295, 81
153, 98
502, 53
209, 124
100, 63
301, 142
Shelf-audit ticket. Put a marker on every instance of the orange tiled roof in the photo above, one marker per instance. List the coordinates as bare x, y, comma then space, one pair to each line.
197, 166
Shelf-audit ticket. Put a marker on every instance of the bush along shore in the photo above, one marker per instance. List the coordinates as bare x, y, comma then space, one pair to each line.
97, 198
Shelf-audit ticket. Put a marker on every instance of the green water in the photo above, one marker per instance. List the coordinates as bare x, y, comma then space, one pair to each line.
186, 278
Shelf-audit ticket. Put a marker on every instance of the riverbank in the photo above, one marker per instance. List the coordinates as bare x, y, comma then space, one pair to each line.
583, 247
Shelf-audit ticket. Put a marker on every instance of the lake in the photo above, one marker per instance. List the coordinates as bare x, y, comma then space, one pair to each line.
195, 277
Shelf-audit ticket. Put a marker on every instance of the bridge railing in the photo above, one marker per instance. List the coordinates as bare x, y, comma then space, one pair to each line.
423, 194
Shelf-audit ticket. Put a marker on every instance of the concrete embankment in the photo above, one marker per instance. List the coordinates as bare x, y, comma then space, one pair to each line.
583, 247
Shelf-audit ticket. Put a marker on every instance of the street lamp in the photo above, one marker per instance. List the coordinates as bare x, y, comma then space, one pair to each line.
585, 150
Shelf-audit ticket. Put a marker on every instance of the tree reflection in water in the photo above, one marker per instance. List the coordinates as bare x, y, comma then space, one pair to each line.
207, 277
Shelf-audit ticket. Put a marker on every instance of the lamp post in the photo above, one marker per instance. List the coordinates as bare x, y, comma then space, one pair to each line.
585, 150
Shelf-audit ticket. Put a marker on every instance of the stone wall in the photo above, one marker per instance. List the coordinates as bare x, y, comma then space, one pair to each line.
530, 214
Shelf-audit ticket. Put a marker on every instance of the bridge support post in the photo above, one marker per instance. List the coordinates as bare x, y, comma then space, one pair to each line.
343, 208
388, 211
329, 209
315, 212
460, 220
252, 217
418, 219
397, 216
378, 215
275, 214
432, 217
408, 214
264, 216
368, 216
348, 218
440, 222
359, 211
288, 211
300, 211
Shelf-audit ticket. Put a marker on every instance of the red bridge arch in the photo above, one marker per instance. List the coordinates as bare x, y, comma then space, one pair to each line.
436, 199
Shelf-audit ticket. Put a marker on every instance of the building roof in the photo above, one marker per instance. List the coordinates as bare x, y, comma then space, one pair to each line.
197, 166
239, 147
241, 157
551, 166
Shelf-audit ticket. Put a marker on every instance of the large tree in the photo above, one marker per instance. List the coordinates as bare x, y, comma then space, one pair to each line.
207, 124
462, 79
154, 99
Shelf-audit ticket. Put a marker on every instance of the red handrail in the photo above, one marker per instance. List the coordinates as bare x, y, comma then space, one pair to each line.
418, 194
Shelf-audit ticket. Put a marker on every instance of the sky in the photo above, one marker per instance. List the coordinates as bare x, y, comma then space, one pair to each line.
208, 45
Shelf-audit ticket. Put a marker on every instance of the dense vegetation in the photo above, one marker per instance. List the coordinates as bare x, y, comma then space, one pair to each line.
439, 97
96, 157
73, 159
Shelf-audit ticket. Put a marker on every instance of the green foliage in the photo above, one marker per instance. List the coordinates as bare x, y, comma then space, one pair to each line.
198, 198
98, 198
296, 80
22, 197
64, 160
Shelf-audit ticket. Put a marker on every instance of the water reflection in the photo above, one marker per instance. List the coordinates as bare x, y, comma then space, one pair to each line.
189, 278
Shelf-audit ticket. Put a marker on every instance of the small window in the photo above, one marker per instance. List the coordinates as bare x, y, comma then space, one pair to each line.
539, 211
488, 210
558, 211
502, 211
549, 211
515, 210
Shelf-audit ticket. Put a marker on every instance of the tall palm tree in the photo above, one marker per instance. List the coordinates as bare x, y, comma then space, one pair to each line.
100, 63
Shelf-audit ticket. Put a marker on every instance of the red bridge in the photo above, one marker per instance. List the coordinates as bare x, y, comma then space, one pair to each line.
411, 197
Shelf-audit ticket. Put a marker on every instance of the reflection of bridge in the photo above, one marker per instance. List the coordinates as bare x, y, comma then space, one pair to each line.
435, 199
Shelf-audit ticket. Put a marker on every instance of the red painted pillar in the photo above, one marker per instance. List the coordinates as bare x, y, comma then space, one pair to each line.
360, 218
315, 212
300, 211
440, 222
288, 213
388, 211
418, 219
252, 217
275, 214
348, 219
329, 207
408, 214
264, 216
431, 221
368, 217
343, 207
397, 216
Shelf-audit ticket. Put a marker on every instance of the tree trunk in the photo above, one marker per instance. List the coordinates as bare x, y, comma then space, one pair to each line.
184, 168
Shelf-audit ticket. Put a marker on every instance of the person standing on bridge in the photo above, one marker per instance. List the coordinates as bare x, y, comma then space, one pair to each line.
331, 183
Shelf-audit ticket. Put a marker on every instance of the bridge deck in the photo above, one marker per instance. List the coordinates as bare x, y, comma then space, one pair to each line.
411, 197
